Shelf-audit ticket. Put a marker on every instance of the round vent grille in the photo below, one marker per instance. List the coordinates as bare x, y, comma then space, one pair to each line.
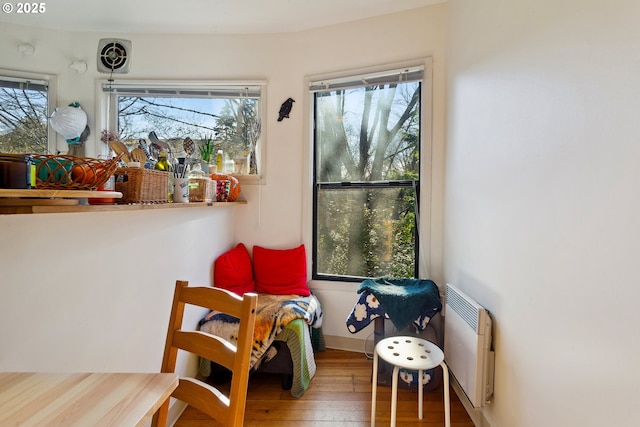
114, 56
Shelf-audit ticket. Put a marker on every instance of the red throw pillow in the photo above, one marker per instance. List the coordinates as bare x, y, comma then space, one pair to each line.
281, 271
232, 271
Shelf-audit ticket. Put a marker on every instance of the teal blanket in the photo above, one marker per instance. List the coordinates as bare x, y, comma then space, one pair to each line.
403, 299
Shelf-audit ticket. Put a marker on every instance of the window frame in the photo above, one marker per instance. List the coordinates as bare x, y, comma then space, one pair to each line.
52, 98
353, 185
109, 105
423, 190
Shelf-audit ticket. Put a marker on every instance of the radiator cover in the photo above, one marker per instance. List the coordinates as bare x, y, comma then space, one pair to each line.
467, 345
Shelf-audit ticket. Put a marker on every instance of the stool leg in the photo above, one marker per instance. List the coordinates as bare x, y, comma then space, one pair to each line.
394, 395
374, 386
420, 394
447, 404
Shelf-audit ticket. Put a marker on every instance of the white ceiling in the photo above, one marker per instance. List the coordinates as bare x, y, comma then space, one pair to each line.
203, 16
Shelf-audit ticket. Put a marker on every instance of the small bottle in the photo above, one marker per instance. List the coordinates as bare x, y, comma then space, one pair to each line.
163, 164
219, 161
195, 175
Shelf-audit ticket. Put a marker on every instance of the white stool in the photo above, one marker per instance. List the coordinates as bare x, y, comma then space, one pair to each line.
410, 353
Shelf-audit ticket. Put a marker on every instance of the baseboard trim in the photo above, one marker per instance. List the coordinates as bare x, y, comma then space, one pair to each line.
476, 415
344, 343
175, 410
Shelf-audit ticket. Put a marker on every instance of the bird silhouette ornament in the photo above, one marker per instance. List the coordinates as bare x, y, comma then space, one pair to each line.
285, 109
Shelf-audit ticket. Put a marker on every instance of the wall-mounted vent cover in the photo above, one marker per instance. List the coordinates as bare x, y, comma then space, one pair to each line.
114, 56
467, 346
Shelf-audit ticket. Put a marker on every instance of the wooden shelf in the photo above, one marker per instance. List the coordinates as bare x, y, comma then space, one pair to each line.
67, 201
53, 194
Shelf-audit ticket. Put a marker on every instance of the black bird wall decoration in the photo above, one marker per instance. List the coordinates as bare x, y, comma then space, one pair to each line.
285, 109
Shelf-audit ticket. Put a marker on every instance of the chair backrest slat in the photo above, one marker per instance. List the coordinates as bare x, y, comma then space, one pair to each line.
207, 346
227, 409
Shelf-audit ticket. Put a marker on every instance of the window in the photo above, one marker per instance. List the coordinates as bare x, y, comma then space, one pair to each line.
24, 108
367, 133
229, 115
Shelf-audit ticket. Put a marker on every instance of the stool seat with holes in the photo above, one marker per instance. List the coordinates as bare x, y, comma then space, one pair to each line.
410, 353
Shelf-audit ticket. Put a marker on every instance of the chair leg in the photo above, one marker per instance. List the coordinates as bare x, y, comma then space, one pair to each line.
394, 395
160, 417
447, 403
287, 381
374, 387
420, 394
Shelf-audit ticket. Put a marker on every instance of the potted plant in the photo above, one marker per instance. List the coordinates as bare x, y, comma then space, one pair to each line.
206, 150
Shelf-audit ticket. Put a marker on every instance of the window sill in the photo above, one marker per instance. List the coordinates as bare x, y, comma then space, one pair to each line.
248, 179
5, 210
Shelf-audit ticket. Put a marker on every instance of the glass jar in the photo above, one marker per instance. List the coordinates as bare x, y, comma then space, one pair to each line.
17, 171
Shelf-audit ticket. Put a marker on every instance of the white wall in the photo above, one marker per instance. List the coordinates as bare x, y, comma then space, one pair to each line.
130, 245
542, 203
92, 292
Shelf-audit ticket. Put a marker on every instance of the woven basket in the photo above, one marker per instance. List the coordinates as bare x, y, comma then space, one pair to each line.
201, 190
67, 172
234, 190
139, 185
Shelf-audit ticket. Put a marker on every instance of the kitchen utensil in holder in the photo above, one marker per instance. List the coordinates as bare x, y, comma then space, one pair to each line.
180, 190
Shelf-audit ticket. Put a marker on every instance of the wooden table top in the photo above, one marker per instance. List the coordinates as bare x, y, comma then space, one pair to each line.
82, 399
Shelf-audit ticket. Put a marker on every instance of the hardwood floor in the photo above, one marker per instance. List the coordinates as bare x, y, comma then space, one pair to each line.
339, 395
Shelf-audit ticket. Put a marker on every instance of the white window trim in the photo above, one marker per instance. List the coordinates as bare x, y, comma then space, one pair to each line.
109, 121
426, 169
55, 144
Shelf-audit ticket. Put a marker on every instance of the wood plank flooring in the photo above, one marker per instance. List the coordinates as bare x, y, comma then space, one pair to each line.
339, 395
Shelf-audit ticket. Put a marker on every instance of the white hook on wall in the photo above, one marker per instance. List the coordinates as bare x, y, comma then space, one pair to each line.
26, 49
79, 66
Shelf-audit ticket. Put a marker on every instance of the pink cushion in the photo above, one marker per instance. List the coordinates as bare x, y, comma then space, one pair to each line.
232, 271
281, 271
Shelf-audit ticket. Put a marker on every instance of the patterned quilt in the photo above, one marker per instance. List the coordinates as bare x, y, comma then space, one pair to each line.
273, 314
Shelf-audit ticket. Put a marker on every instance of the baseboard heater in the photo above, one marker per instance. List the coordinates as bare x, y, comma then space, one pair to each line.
467, 346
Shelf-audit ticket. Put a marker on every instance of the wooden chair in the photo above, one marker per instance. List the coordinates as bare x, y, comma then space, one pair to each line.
227, 409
